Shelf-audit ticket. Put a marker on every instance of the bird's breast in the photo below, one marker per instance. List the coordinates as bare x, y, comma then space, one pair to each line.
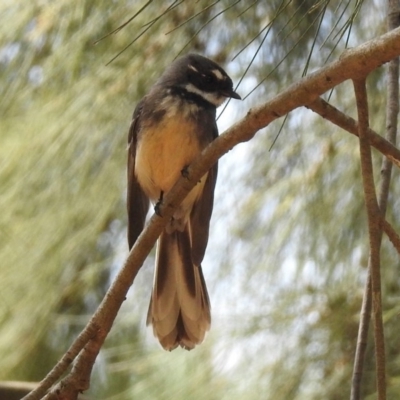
163, 150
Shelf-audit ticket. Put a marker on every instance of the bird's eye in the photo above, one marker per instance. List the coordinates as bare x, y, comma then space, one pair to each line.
208, 78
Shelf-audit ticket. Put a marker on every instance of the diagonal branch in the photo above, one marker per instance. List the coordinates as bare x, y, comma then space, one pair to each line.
353, 64
63, 364
332, 114
375, 233
392, 235
392, 153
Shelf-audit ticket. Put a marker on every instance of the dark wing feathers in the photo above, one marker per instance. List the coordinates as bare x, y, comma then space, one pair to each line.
200, 217
137, 201
201, 213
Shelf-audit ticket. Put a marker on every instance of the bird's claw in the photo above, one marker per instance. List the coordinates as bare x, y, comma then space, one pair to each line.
158, 204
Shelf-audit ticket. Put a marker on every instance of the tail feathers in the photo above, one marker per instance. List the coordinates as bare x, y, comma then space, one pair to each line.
179, 308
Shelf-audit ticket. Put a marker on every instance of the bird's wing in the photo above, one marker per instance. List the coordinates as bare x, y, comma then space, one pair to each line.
137, 201
201, 213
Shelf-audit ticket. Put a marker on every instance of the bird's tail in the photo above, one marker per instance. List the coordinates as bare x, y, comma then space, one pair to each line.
179, 308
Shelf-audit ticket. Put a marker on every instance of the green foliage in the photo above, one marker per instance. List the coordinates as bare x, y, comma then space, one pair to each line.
288, 253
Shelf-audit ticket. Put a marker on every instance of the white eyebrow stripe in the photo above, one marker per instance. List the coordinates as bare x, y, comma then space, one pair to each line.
193, 68
218, 74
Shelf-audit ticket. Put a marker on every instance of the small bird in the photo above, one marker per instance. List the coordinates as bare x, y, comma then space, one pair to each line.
171, 125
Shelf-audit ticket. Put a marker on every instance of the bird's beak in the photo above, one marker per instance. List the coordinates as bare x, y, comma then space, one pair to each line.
232, 94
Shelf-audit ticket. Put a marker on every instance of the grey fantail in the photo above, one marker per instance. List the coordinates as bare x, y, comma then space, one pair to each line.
171, 125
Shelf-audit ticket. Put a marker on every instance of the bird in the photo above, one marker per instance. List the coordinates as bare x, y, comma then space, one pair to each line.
170, 127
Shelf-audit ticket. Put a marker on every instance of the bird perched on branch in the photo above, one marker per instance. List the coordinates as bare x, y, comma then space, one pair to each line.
171, 125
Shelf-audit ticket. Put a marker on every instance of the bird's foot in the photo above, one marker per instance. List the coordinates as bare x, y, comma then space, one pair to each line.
158, 204
185, 172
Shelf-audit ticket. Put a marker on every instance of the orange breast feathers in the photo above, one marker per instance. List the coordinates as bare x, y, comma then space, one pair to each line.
163, 150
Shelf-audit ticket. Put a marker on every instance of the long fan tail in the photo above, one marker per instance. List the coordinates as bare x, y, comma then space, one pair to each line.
179, 308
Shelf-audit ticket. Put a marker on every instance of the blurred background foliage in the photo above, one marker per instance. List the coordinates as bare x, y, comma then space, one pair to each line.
286, 262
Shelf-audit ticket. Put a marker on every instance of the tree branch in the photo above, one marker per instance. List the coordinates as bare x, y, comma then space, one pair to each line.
327, 111
392, 108
61, 367
332, 114
392, 235
375, 233
353, 64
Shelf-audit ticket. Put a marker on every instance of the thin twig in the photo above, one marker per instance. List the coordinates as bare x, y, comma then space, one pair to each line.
205, 24
279, 9
282, 60
149, 25
375, 232
116, 30
192, 17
